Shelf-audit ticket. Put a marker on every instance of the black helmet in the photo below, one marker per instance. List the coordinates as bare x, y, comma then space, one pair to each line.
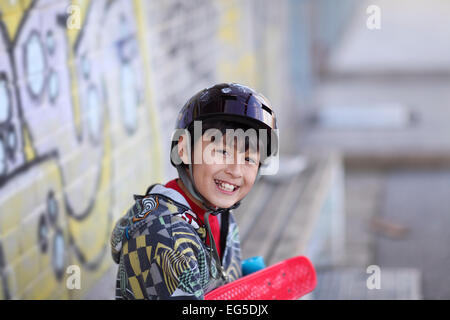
230, 102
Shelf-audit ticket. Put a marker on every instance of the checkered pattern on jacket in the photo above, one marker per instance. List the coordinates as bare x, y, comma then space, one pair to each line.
163, 256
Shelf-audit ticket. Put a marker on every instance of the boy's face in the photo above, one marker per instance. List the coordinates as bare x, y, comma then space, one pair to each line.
226, 172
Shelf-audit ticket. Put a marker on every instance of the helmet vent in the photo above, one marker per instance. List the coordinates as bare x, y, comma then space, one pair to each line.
267, 108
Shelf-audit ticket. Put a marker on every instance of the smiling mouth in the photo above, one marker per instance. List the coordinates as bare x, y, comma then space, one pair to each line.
225, 186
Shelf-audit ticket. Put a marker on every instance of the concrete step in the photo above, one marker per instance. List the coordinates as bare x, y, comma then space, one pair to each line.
299, 215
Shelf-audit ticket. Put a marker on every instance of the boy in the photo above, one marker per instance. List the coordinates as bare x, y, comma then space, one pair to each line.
180, 240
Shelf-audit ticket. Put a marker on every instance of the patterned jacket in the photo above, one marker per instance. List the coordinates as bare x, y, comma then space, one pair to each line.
160, 248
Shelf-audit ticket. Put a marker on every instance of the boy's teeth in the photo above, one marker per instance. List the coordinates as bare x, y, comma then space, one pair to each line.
226, 186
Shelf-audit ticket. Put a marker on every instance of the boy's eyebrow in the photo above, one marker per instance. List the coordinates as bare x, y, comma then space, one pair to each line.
245, 142
247, 145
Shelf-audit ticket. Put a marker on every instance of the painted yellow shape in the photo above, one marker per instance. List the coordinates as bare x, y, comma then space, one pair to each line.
27, 268
74, 33
12, 15
33, 265
92, 233
246, 65
28, 148
239, 63
10, 215
75, 95
11, 247
229, 32
142, 31
42, 287
26, 4
72, 36
242, 71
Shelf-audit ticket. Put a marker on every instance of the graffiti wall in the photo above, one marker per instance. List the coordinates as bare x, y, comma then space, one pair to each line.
89, 91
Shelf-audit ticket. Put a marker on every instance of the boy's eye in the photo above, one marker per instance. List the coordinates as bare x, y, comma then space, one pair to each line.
250, 160
221, 151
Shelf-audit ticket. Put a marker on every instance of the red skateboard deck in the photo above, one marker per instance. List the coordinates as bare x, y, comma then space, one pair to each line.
287, 280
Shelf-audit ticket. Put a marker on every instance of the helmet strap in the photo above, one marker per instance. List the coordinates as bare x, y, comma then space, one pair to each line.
188, 179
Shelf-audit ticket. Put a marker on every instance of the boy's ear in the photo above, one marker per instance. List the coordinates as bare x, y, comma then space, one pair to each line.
183, 151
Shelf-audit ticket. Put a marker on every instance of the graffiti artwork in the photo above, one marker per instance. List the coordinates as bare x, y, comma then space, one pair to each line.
89, 91
73, 112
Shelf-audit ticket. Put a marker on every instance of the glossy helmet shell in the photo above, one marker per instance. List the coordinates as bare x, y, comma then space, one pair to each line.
231, 102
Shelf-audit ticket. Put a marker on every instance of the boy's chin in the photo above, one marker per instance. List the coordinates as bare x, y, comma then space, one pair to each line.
223, 204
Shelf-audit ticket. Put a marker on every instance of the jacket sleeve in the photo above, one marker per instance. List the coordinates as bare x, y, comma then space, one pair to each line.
172, 267
175, 275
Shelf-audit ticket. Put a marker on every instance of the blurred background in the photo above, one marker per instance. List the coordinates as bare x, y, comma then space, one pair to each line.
89, 92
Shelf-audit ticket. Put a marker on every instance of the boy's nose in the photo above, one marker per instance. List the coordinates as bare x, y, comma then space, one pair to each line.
234, 169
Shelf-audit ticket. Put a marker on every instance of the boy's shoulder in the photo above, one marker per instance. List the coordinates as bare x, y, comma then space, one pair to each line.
155, 217
160, 206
